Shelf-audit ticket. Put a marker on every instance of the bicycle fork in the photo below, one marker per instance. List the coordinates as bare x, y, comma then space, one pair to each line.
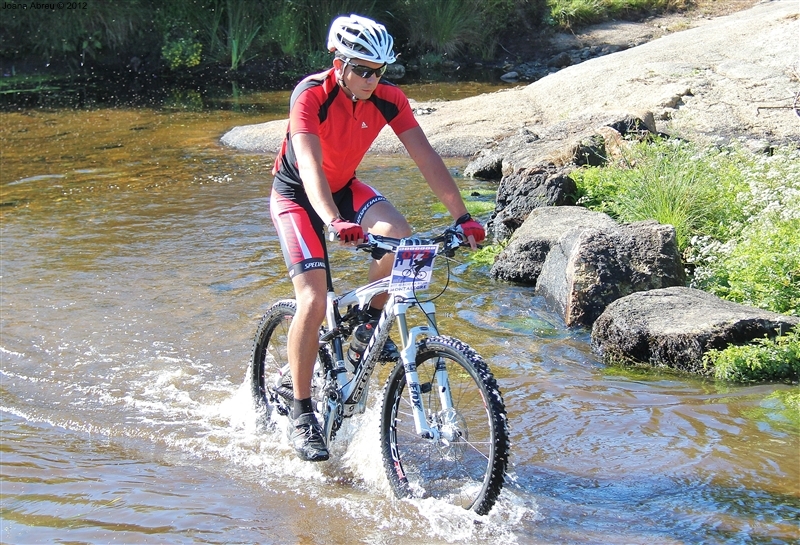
408, 354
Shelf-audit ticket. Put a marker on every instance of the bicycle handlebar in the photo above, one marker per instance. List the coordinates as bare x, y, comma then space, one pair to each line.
452, 239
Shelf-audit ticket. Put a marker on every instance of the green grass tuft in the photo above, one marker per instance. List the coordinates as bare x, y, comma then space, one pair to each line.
766, 359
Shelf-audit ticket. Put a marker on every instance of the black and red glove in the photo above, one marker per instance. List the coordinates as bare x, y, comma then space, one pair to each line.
345, 231
471, 228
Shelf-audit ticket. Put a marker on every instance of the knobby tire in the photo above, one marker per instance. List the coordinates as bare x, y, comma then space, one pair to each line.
270, 354
469, 470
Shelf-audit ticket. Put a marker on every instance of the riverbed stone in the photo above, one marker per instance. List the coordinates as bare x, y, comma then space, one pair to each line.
522, 259
674, 327
487, 164
580, 261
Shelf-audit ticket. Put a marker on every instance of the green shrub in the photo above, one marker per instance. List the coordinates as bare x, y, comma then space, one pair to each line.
317, 61
450, 27
597, 188
759, 263
71, 35
764, 360
431, 59
300, 27
445, 26
243, 25
569, 13
284, 31
762, 269
181, 52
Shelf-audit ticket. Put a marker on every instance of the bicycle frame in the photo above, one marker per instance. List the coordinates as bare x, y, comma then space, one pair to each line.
351, 394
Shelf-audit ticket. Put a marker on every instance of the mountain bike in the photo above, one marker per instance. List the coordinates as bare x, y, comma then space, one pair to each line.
443, 423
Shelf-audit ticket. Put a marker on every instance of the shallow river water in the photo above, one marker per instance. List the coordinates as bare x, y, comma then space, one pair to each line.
137, 257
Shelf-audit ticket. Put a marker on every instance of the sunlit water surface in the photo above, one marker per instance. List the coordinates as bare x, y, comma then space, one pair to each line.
137, 258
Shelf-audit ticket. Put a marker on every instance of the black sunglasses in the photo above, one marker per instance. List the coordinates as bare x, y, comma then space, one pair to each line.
366, 72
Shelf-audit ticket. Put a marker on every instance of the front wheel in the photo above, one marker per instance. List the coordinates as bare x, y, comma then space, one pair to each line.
465, 463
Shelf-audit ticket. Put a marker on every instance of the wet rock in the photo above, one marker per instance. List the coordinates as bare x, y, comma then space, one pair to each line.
522, 259
510, 77
581, 261
488, 163
423, 110
562, 60
488, 166
563, 144
589, 268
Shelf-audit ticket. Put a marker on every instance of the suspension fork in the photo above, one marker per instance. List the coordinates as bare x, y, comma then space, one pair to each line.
442, 382
332, 317
408, 354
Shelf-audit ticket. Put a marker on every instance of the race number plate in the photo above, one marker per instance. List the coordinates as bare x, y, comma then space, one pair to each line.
413, 268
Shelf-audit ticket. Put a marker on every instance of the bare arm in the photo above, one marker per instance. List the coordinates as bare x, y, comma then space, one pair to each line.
433, 170
309, 162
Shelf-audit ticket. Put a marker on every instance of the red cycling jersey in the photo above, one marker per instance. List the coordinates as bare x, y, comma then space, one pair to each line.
346, 129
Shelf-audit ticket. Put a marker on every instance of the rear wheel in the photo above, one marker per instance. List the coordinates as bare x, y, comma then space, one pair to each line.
270, 376
465, 465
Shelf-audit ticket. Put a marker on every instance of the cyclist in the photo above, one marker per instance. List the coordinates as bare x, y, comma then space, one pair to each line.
334, 117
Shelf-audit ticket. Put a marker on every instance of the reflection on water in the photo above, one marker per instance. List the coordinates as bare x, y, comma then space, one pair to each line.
137, 256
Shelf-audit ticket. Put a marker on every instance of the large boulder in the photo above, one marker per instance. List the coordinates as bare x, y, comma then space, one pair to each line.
674, 327
522, 259
580, 261
487, 164
585, 142
590, 268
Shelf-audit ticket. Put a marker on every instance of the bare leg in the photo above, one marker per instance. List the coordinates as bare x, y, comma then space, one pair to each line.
310, 292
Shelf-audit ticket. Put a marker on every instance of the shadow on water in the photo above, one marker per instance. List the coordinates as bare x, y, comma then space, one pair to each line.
134, 91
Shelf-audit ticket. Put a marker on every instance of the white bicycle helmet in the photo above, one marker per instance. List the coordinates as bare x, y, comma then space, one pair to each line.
357, 37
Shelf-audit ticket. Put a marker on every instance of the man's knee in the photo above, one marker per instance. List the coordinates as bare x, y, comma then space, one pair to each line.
311, 293
384, 219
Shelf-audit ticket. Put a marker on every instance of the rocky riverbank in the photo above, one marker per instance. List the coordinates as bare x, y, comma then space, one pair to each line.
559, 49
733, 77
